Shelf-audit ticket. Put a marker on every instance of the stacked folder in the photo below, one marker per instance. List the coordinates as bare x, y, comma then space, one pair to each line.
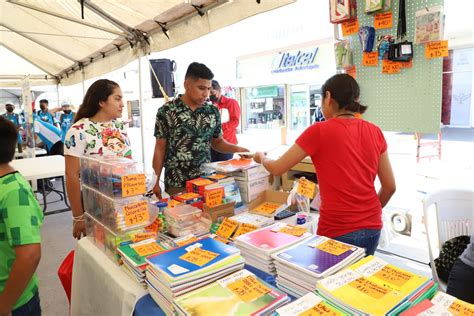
311, 304
258, 246
299, 267
186, 268
441, 304
372, 286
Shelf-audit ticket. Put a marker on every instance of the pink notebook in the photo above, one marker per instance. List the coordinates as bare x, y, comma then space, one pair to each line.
418, 308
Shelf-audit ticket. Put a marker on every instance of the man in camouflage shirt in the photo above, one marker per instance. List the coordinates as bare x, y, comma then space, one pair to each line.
185, 130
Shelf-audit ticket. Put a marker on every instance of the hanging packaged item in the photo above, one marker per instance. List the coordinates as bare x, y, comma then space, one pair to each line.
367, 38
343, 53
372, 6
342, 10
429, 24
382, 45
400, 51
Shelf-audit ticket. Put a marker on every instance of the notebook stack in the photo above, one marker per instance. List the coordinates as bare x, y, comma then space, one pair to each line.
311, 304
299, 267
133, 256
258, 246
186, 268
241, 293
441, 304
372, 286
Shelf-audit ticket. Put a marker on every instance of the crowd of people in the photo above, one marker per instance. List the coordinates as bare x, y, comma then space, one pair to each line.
190, 130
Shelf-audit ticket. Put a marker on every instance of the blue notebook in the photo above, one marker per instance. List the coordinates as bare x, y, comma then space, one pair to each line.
170, 263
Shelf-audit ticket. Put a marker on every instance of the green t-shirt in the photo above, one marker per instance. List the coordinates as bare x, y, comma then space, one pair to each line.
20, 221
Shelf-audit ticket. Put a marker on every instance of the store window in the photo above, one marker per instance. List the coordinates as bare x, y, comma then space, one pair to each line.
305, 103
265, 107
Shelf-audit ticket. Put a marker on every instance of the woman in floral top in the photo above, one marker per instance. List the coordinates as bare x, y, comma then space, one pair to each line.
95, 132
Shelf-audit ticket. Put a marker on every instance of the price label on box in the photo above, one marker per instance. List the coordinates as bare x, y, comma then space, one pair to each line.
147, 248
248, 289
349, 28
319, 309
267, 207
214, 197
185, 240
133, 184
136, 213
436, 49
306, 188
333, 247
244, 228
393, 276
370, 59
369, 288
383, 20
142, 236
406, 64
390, 67
293, 230
228, 226
199, 256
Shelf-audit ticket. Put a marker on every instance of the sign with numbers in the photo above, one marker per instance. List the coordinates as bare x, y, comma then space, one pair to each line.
248, 289
436, 49
244, 228
133, 184
147, 249
306, 188
136, 213
370, 59
383, 20
349, 28
333, 247
293, 230
390, 67
228, 226
199, 256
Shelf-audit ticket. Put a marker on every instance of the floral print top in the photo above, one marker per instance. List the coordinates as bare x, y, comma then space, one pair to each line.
188, 137
87, 138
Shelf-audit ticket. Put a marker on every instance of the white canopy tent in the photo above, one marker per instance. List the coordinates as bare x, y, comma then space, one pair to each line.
70, 41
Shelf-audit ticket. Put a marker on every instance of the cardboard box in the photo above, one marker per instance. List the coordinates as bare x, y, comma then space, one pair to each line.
269, 196
219, 212
249, 190
250, 174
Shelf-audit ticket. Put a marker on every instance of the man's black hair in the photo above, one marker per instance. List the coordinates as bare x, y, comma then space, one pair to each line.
216, 85
8, 140
44, 101
198, 71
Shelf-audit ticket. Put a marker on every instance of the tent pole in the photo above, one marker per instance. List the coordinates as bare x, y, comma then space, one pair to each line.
140, 106
83, 76
57, 93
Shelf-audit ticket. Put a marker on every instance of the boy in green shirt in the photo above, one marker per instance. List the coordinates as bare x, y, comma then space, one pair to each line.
20, 221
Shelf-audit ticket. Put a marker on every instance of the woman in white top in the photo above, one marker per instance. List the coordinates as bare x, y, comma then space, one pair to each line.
95, 132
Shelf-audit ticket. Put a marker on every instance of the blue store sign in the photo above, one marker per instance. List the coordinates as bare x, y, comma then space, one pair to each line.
302, 59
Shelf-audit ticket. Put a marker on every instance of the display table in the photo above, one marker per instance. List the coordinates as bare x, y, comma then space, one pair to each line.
100, 286
40, 168
38, 152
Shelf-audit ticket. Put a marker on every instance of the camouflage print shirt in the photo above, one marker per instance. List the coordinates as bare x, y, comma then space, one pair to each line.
188, 134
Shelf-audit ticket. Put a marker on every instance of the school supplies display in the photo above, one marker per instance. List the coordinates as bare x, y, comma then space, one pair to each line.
441, 304
186, 219
311, 304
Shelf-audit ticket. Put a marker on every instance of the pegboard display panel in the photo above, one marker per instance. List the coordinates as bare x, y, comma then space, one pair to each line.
409, 101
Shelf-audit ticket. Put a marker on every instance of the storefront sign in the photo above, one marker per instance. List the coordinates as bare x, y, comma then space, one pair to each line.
302, 59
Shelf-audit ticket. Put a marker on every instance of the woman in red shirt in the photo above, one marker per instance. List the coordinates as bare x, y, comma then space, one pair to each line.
348, 153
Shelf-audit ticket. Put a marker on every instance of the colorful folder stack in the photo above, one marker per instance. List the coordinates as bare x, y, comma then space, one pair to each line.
311, 304
441, 304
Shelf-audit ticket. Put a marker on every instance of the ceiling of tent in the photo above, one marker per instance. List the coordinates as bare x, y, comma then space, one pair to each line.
53, 36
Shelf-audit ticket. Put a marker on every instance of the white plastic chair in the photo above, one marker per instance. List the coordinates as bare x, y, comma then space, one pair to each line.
452, 216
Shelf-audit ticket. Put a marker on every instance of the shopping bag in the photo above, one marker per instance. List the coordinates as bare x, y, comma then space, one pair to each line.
65, 274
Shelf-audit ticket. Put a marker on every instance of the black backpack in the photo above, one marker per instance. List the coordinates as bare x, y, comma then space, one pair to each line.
450, 251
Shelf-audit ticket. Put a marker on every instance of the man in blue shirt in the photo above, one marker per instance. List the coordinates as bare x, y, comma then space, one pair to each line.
65, 119
15, 119
50, 135
44, 114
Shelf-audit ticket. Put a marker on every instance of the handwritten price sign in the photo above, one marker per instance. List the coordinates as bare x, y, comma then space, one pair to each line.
199, 256
293, 230
142, 236
370, 288
267, 207
147, 249
319, 309
214, 197
390, 67
227, 227
306, 188
383, 20
244, 228
349, 28
333, 247
136, 213
248, 289
393, 276
370, 59
436, 49
133, 184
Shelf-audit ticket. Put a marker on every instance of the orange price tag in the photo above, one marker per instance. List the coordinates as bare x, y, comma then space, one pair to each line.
147, 249
370, 288
244, 228
202, 182
349, 28
227, 227
319, 310
188, 196
142, 236
136, 213
248, 289
173, 203
436, 49
214, 197
185, 240
306, 188
383, 20
393, 276
293, 230
267, 207
461, 308
370, 59
390, 67
333, 247
217, 176
199, 256
406, 64
133, 184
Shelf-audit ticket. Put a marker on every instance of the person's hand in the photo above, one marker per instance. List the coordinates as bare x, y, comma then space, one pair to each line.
259, 156
78, 229
157, 190
6, 314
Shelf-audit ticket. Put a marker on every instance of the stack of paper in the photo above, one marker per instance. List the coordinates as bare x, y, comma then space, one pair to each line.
372, 286
253, 219
311, 304
441, 304
300, 266
241, 293
258, 246
133, 257
189, 267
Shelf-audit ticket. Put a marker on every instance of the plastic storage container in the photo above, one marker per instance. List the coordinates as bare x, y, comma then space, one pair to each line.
119, 214
183, 215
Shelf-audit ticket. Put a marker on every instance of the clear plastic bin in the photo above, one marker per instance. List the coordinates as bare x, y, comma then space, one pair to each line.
183, 215
119, 214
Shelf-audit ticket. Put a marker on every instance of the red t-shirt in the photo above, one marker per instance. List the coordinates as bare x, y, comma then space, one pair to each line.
345, 154
229, 129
